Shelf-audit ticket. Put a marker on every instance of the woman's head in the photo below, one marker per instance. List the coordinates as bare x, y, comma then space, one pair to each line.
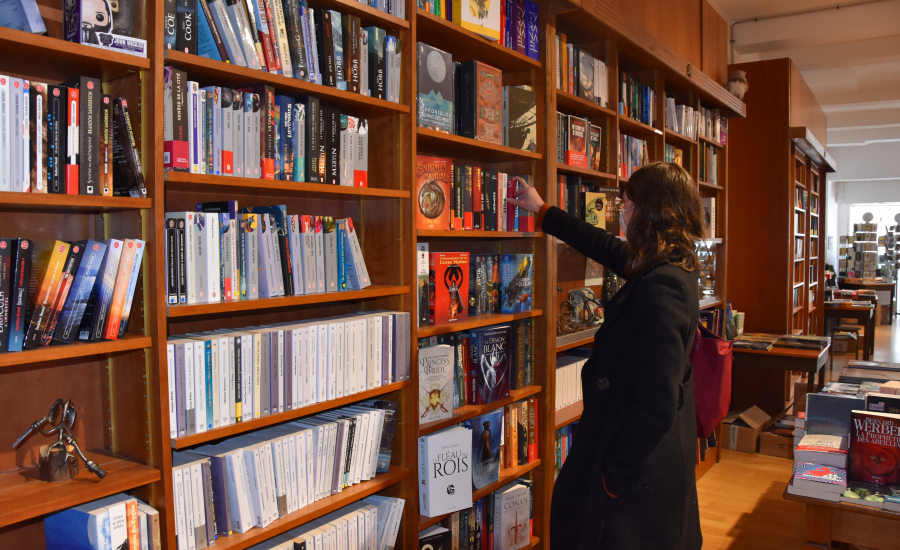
663, 216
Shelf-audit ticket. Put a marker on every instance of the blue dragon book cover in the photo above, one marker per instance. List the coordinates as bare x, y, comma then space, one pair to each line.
485, 447
515, 282
489, 363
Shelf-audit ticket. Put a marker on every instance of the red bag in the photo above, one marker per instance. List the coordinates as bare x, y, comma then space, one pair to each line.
711, 361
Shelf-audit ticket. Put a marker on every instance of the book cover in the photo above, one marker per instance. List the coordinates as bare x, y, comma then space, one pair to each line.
576, 152
57, 136
874, 447
487, 105
120, 289
357, 275
132, 284
18, 318
84, 527
433, 182
515, 282
489, 363
829, 413
435, 89
611, 207
809, 475
485, 448
330, 236
480, 17
882, 402
521, 118
513, 512
594, 148
250, 256
435, 538
128, 177
449, 287
377, 67
85, 278
43, 287
73, 258
445, 478
95, 313
435, 383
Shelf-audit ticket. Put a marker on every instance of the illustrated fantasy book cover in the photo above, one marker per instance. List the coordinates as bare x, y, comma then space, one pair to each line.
515, 282
874, 447
435, 383
433, 181
485, 447
435, 89
479, 16
576, 153
448, 283
521, 118
489, 363
489, 105
612, 208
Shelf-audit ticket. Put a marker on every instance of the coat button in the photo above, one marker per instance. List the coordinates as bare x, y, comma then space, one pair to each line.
603, 384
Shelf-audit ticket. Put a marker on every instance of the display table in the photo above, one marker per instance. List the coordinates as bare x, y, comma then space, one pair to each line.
864, 315
872, 285
850, 523
760, 377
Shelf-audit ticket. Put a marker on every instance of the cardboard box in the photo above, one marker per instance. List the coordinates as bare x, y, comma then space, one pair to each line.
846, 342
773, 444
740, 430
800, 396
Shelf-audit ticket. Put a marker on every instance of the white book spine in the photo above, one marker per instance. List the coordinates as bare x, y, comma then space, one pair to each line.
320, 256
371, 359
198, 504
172, 383
233, 135
377, 350
216, 395
339, 364
296, 255
178, 495
257, 374
200, 386
233, 369
242, 520
189, 518
193, 145
256, 492
332, 360
248, 135
26, 137
296, 381
351, 341
5, 133
189, 377
213, 261
322, 363
247, 377
201, 130
281, 373
226, 379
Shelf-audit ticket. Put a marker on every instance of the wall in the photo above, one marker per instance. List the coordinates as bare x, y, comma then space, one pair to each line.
675, 22
714, 44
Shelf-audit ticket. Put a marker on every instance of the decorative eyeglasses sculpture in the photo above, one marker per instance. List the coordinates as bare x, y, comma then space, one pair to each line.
56, 462
580, 312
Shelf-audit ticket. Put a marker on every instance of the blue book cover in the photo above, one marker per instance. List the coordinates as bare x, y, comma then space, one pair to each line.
485, 447
434, 89
351, 277
206, 44
97, 308
341, 262
210, 394
516, 272
84, 527
85, 277
532, 31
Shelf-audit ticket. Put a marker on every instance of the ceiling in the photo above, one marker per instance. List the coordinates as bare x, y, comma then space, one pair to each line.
849, 55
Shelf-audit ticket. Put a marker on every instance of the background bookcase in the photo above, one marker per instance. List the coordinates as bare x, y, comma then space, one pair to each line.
120, 386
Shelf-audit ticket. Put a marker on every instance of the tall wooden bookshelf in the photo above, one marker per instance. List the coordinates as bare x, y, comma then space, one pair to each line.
122, 386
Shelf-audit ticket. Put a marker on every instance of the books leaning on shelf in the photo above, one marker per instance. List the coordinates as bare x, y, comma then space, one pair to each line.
712, 125
565, 438
253, 133
500, 520
681, 119
568, 380
23, 15
249, 481
223, 377
67, 139
580, 73
512, 24
463, 198
633, 154
118, 521
55, 292
578, 142
292, 39
223, 253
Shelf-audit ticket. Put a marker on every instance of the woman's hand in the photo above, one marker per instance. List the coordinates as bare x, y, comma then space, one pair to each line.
526, 197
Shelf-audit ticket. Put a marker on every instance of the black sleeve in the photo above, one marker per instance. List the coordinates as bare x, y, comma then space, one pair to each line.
591, 241
655, 373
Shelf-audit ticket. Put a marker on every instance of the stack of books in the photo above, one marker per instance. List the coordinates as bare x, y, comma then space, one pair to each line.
791, 341
118, 521
818, 481
755, 341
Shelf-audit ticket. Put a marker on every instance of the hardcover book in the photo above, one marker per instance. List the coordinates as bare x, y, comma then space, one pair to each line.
515, 282
489, 364
520, 110
445, 477
435, 89
434, 176
513, 512
483, 87
830, 450
829, 413
485, 447
479, 17
874, 447
449, 287
435, 383
85, 277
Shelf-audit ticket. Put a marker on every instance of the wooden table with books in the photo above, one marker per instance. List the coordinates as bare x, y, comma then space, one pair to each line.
858, 284
863, 314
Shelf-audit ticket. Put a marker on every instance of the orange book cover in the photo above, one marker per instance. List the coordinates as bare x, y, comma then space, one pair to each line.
43, 286
433, 182
123, 277
132, 519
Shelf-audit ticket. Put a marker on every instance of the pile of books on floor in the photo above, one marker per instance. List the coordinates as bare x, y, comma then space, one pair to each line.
223, 253
249, 481
118, 521
222, 377
55, 292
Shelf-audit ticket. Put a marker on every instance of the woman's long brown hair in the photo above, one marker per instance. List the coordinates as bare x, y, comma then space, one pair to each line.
667, 219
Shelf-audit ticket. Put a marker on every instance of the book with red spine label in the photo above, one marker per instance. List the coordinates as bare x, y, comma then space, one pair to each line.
72, 141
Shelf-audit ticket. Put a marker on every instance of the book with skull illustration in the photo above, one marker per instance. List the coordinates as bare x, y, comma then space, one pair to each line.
435, 383
485, 447
489, 364
110, 24
448, 292
433, 182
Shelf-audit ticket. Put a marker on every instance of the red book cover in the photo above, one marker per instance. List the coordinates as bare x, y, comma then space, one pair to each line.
72, 142
874, 448
489, 82
450, 272
433, 177
576, 153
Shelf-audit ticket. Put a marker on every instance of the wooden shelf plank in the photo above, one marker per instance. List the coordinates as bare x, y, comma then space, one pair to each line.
23, 496
215, 184
240, 541
217, 73
707, 303
466, 45
673, 137
458, 146
47, 202
218, 308
571, 104
368, 16
449, 234
712, 142
633, 128
262, 422
707, 185
567, 415
576, 339
477, 321
53, 59
584, 172
467, 412
79, 349
506, 476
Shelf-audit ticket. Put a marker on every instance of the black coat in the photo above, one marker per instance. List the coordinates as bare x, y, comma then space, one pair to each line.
638, 431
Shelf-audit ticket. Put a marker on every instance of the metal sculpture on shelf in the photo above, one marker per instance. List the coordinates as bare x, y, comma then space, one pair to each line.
581, 311
56, 462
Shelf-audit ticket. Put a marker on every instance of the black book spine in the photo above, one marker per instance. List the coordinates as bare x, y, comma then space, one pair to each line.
19, 309
214, 30
220, 494
350, 25
6, 279
180, 260
311, 130
325, 43
332, 145
186, 14
90, 94
323, 126
284, 238
127, 163
295, 38
106, 146
56, 140
379, 82
170, 24
171, 262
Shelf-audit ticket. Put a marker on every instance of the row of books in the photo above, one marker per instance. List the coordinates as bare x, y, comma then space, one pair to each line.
473, 368
637, 100
514, 24
633, 154
251, 132
462, 198
713, 126
709, 164
674, 155
597, 205
568, 377
682, 119
223, 253
578, 142
581, 74
117, 521
54, 292
291, 39
565, 438
249, 481
66, 139
491, 523
226, 376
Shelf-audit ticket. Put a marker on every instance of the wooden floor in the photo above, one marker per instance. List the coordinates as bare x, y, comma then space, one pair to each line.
741, 507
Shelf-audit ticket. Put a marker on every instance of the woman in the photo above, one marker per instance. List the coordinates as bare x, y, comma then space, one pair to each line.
628, 481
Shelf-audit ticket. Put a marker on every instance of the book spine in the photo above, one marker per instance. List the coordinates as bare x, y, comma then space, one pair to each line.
19, 298
234, 53
132, 284
296, 41
332, 145
281, 33
7, 276
46, 287
72, 142
73, 259
123, 276
186, 15
214, 30
38, 121
125, 154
